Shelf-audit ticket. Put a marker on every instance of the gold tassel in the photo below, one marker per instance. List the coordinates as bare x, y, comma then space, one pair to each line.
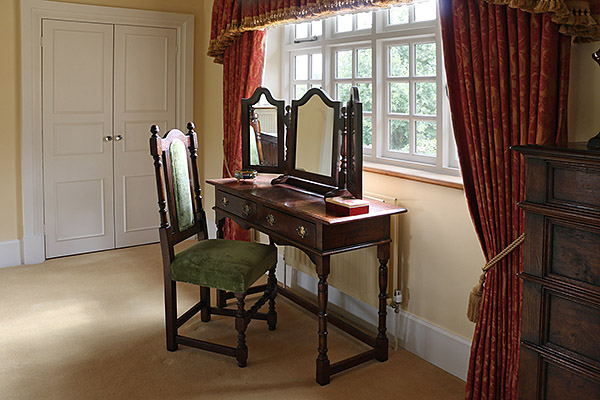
475, 295
475, 300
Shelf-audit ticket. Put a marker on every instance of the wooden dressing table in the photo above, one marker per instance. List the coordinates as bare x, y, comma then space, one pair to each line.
297, 218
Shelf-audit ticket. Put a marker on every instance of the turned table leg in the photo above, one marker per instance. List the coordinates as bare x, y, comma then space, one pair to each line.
323, 369
383, 254
221, 294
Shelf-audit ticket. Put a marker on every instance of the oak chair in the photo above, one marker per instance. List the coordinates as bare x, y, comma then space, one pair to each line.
227, 265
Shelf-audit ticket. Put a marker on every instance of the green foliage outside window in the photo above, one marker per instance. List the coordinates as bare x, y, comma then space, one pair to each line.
425, 57
399, 61
399, 98
398, 139
344, 64
426, 138
426, 98
365, 63
367, 131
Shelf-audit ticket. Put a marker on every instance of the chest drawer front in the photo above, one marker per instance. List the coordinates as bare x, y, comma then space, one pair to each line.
574, 252
561, 384
237, 206
294, 228
573, 326
541, 378
574, 186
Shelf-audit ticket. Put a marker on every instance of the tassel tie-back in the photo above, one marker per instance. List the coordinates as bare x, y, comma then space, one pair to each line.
231, 20
577, 18
475, 295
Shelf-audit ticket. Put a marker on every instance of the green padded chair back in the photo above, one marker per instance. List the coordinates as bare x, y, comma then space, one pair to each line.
181, 185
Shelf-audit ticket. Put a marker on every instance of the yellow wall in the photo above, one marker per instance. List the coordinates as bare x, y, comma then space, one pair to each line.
10, 117
440, 256
584, 93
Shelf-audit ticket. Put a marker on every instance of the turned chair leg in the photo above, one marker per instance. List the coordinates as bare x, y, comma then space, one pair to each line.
171, 314
205, 297
241, 352
272, 289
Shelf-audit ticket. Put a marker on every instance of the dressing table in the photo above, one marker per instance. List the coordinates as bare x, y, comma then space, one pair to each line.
291, 210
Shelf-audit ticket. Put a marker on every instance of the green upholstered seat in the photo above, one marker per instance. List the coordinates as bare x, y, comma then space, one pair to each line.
223, 264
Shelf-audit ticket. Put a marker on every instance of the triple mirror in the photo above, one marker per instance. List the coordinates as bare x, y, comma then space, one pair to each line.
316, 144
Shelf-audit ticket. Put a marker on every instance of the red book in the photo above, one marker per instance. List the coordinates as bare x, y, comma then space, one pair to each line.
346, 206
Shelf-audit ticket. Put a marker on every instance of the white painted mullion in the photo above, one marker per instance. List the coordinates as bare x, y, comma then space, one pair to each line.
412, 96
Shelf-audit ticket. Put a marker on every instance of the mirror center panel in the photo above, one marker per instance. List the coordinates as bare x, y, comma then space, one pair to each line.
314, 137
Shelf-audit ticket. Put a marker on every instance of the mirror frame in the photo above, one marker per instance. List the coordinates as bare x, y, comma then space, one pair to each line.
281, 131
354, 147
315, 182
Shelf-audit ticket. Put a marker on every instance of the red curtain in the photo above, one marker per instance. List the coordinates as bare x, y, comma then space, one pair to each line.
508, 74
242, 74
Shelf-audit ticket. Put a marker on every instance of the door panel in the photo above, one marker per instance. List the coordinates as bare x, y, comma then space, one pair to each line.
90, 219
77, 102
136, 217
144, 87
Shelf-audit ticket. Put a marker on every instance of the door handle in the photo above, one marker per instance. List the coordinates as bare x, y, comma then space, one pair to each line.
107, 138
118, 138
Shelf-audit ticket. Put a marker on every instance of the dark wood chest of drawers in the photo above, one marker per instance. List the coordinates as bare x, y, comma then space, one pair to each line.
560, 338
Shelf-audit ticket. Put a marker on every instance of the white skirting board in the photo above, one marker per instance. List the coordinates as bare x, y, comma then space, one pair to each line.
435, 345
10, 253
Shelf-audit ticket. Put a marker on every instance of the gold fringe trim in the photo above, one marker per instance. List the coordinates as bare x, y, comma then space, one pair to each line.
574, 17
476, 292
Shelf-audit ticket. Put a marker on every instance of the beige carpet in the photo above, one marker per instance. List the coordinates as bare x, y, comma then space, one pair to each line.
91, 327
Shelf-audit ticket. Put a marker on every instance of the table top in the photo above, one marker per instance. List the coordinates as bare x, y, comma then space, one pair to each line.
285, 198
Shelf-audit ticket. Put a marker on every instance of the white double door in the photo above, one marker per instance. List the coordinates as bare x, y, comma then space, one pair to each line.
103, 87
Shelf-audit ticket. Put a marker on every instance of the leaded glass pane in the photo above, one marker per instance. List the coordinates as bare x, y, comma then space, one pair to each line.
398, 61
426, 135
399, 95
398, 135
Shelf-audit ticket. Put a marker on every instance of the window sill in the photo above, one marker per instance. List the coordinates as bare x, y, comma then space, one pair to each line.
454, 182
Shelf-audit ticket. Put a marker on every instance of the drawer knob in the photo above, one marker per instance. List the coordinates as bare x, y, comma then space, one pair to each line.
271, 219
302, 232
246, 210
225, 201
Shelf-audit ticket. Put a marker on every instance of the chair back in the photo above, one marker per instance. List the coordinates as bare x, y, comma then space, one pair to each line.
255, 124
178, 188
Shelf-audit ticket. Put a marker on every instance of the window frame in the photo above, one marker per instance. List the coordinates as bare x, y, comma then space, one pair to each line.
379, 38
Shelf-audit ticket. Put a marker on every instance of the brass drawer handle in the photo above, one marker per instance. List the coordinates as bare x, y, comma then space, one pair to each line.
271, 219
302, 232
246, 210
225, 201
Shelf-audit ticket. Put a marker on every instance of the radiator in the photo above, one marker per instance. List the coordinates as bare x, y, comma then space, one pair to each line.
356, 272
268, 118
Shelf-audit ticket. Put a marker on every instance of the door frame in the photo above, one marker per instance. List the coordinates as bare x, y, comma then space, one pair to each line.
32, 13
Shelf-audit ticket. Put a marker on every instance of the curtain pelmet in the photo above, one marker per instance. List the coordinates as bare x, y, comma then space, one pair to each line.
230, 18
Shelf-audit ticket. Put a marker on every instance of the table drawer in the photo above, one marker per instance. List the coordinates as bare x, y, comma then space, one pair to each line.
291, 227
237, 206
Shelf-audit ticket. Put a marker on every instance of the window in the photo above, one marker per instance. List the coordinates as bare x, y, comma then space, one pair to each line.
394, 58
